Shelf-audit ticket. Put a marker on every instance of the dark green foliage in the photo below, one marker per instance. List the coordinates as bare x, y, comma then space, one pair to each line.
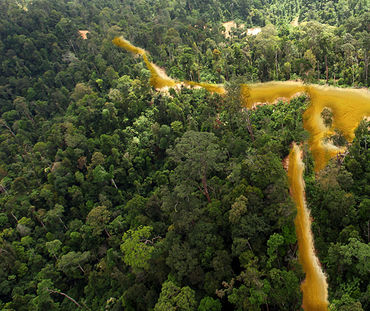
116, 197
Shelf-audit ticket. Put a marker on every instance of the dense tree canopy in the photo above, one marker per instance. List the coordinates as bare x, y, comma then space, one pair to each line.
116, 197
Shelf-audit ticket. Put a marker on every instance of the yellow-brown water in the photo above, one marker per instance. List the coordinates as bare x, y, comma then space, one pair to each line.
158, 78
348, 107
314, 287
123, 43
268, 92
214, 88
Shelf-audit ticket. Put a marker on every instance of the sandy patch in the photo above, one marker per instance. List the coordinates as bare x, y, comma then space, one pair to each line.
228, 26
253, 31
294, 22
83, 34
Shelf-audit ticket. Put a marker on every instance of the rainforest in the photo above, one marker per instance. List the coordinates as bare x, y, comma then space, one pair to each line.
221, 164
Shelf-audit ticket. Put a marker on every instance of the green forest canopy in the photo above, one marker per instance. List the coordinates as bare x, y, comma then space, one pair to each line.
91, 167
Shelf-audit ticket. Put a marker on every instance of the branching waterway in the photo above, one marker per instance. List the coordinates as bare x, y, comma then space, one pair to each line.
348, 108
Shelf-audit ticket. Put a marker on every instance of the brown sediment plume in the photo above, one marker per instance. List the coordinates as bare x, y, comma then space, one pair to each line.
123, 43
158, 77
348, 106
269, 92
213, 88
314, 286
